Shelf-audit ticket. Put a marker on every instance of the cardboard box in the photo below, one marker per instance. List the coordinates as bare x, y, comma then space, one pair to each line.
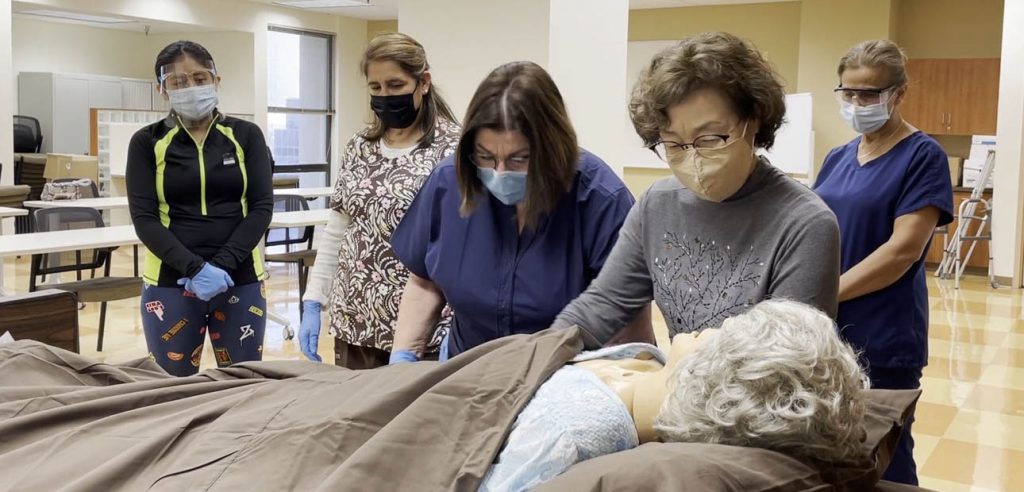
59, 166
972, 176
955, 165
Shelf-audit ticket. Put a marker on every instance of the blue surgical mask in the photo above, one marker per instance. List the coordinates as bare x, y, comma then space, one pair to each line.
865, 119
194, 103
509, 187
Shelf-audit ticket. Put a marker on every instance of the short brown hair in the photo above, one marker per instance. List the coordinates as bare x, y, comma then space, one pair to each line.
714, 60
521, 96
412, 59
879, 53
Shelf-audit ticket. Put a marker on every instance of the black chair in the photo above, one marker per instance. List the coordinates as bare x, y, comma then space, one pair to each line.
93, 289
292, 236
28, 135
28, 170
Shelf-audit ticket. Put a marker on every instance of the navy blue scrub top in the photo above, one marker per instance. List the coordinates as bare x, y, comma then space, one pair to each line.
500, 282
890, 325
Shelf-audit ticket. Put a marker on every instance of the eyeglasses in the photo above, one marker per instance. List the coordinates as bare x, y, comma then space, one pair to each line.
862, 97
181, 80
515, 163
668, 150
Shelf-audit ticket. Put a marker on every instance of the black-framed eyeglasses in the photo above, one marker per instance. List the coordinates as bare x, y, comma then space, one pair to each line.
862, 97
515, 162
667, 150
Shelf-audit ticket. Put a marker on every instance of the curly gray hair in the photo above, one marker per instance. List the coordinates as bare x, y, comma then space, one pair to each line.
776, 377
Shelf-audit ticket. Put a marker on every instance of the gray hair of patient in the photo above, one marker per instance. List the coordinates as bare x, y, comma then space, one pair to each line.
776, 377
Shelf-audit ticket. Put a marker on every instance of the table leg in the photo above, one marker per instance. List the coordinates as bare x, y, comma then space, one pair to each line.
287, 330
3, 291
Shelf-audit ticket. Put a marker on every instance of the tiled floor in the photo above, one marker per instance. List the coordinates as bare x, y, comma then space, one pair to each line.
970, 421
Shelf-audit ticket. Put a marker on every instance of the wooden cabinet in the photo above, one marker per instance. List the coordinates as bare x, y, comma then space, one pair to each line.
979, 258
48, 316
952, 96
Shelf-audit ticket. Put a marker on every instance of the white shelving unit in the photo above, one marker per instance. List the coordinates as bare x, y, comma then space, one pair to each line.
114, 130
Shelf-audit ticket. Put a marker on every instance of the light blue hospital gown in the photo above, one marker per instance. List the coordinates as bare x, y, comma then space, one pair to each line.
573, 417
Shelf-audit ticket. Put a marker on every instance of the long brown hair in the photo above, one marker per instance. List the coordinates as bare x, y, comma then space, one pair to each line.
521, 96
410, 56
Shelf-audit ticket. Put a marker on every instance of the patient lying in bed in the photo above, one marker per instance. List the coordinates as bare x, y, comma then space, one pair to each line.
505, 416
777, 377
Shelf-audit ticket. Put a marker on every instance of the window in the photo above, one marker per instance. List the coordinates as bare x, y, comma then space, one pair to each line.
300, 104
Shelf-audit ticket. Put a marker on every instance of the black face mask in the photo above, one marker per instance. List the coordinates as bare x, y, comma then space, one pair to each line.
395, 111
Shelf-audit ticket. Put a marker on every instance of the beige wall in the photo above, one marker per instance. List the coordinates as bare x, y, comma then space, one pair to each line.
827, 31
638, 179
233, 54
462, 56
41, 46
949, 28
773, 27
374, 28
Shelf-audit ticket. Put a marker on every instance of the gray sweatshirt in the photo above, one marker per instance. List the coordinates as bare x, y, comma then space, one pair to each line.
703, 262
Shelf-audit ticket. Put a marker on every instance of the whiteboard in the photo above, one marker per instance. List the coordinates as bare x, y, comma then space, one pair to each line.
118, 137
638, 55
793, 152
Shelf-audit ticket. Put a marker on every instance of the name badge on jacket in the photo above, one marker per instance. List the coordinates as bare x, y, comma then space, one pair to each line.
229, 159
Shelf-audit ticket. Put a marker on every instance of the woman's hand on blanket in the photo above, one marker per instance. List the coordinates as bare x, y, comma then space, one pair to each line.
309, 330
400, 356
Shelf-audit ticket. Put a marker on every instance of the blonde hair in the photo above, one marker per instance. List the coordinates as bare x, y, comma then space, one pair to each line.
410, 56
776, 377
880, 54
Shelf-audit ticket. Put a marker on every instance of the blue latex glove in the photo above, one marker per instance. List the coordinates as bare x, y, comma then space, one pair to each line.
443, 356
209, 282
309, 330
400, 356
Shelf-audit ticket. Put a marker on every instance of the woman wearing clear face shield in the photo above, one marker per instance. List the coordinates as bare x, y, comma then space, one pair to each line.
889, 188
356, 275
200, 196
729, 229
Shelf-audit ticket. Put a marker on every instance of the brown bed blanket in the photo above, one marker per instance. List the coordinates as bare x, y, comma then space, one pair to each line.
68, 423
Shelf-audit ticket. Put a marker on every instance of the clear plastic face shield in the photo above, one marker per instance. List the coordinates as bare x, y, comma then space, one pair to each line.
182, 75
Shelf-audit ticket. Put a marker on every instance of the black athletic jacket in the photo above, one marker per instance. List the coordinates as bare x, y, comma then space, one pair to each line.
194, 203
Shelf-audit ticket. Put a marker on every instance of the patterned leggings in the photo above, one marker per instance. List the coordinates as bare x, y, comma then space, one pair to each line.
175, 323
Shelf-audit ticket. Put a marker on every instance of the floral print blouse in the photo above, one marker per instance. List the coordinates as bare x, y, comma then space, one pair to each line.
375, 191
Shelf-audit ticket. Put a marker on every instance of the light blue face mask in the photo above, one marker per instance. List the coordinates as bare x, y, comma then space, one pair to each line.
194, 103
509, 187
865, 119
